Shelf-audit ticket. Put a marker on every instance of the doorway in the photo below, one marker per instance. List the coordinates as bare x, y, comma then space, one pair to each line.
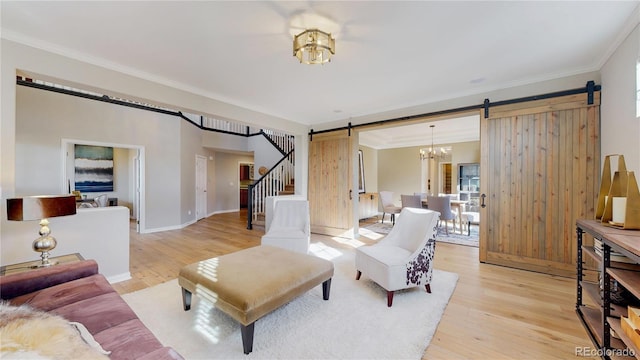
201, 187
245, 178
129, 164
445, 178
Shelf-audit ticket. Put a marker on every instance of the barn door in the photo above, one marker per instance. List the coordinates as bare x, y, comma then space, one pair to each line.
540, 169
331, 183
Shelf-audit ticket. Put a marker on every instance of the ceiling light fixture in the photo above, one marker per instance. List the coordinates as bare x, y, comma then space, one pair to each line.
432, 153
314, 46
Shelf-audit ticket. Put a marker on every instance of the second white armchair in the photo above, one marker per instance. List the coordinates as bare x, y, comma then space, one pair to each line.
404, 258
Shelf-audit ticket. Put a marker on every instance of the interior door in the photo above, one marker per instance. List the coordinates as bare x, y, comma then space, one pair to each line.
137, 184
540, 166
331, 183
201, 187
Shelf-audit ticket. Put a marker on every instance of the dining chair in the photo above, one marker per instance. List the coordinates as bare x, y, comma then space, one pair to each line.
423, 197
386, 198
413, 201
442, 204
469, 216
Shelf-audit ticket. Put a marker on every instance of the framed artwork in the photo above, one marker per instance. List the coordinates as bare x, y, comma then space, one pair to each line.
361, 188
93, 168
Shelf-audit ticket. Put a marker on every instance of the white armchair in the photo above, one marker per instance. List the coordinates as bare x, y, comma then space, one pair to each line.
404, 258
270, 205
290, 227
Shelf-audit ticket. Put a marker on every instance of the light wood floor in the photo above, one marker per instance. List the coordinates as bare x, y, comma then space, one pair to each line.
494, 313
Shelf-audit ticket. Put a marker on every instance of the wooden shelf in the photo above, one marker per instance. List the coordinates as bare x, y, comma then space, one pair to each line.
624, 341
629, 279
592, 320
590, 251
593, 291
627, 243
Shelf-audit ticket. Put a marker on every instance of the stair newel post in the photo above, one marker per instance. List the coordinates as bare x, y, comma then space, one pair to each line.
250, 207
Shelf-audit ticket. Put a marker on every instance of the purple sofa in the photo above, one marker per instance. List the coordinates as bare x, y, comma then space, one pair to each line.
77, 292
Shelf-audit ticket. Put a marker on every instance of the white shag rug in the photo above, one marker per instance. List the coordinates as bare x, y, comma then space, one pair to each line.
355, 323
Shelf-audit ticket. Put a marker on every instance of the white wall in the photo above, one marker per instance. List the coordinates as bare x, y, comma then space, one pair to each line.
167, 180
400, 171
44, 118
620, 127
494, 95
17, 58
219, 141
101, 234
189, 148
264, 153
401, 168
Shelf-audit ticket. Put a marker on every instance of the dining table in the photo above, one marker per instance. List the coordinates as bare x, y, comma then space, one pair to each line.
454, 204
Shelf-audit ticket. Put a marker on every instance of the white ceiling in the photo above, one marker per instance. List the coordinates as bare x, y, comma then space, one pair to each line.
390, 55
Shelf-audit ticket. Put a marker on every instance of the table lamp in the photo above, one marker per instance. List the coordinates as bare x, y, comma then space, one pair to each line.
41, 208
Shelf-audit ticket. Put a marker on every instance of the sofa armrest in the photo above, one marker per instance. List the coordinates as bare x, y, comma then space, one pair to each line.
18, 284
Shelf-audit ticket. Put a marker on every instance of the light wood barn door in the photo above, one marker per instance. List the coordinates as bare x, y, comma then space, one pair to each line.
540, 171
331, 183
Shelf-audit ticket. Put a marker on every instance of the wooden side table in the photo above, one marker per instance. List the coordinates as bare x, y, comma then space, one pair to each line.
32, 265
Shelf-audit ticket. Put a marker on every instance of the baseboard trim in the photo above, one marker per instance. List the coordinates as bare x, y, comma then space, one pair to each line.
224, 211
118, 278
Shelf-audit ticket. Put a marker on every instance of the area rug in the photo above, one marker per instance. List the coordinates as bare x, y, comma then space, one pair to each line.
452, 237
355, 323
459, 239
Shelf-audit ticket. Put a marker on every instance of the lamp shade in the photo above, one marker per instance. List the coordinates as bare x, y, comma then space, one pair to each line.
40, 207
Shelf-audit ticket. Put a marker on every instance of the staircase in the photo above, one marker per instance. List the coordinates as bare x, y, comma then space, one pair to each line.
289, 189
276, 181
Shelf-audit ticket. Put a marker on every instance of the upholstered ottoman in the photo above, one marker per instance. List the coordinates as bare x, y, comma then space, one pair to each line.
251, 283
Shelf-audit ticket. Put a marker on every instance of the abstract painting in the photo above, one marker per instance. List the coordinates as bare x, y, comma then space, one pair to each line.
93, 168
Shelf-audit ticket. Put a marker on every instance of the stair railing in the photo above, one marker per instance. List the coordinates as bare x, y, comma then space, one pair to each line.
270, 184
283, 142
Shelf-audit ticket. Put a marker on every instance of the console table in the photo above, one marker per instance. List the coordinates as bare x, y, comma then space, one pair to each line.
600, 320
33, 265
112, 201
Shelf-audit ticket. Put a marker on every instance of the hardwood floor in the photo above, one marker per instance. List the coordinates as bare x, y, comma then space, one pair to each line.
494, 313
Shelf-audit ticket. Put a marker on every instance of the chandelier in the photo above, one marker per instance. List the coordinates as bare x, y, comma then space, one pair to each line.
433, 153
314, 46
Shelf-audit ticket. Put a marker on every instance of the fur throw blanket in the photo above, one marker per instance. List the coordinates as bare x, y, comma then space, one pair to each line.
26, 333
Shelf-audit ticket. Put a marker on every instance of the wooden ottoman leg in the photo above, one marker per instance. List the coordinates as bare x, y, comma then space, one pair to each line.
247, 337
326, 288
186, 299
